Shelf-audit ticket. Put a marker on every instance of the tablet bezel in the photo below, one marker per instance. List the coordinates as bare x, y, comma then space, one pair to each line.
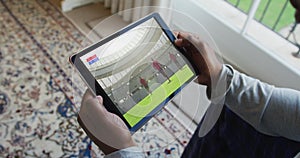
98, 90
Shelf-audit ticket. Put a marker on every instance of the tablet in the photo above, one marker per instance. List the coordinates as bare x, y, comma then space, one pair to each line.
136, 70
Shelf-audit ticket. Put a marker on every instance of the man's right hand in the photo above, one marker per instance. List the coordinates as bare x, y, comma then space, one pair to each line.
202, 56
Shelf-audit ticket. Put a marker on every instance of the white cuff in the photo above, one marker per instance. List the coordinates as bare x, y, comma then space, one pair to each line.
131, 152
222, 85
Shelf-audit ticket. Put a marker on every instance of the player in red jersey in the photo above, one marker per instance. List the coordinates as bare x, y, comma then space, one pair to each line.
145, 84
156, 65
174, 59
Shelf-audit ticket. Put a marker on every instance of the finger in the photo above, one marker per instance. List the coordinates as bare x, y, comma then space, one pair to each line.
87, 95
192, 42
100, 99
92, 106
187, 45
189, 37
176, 33
192, 38
186, 39
178, 42
91, 103
184, 35
182, 43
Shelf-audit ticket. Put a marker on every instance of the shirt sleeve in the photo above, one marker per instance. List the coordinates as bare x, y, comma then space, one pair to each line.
273, 111
130, 152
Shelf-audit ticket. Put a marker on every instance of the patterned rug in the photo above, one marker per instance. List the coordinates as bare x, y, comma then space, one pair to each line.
38, 105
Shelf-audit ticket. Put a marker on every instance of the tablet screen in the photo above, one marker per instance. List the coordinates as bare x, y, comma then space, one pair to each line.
139, 70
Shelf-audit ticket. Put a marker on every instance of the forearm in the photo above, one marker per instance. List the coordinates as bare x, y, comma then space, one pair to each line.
248, 98
282, 115
273, 111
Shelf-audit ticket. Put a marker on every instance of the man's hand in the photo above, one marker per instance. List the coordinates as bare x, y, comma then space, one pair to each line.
105, 129
202, 56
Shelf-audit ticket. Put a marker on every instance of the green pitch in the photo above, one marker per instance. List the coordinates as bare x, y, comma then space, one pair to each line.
149, 103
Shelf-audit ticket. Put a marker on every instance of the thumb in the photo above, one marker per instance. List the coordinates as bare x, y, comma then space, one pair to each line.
100, 99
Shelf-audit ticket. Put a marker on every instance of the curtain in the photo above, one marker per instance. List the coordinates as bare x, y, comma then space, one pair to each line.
123, 7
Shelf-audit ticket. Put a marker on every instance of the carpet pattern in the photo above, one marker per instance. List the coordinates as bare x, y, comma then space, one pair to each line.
38, 98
